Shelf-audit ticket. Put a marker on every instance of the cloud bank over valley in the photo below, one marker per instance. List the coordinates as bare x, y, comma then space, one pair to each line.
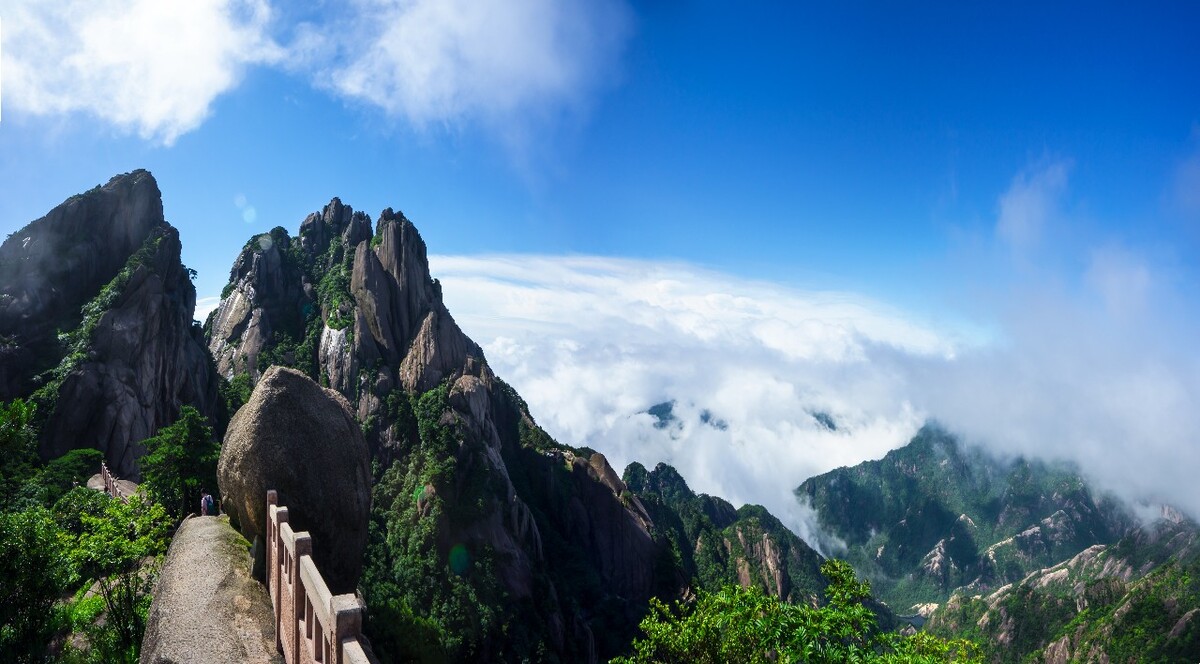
748, 387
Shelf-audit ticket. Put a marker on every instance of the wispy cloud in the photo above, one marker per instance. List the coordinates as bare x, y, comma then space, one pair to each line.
448, 61
150, 67
155, 67
1032, 200
1185, 187
1096, 363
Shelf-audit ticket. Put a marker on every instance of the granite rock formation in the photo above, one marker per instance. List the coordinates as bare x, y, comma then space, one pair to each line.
96, 323
301, 440
568, 555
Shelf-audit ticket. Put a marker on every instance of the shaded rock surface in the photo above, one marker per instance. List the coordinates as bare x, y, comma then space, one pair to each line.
104, 269
301, 440
50, 268
207, 607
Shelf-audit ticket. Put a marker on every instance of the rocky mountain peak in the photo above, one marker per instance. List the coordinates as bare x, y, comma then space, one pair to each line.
96, 312
50, 268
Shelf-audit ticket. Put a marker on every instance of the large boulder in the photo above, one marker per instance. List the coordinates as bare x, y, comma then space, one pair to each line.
207, 607
301, 440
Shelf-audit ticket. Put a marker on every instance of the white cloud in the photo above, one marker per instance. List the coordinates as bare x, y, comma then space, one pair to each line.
205, 306
1121, 278
592, 343
1096, 367
1031, 202
441, 61
153, 67
1084, 381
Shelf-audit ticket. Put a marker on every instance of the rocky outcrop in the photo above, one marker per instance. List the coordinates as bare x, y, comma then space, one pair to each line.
1076, 609
52, 267
356, 310
207, 607
301, 440
613, 525
96, 323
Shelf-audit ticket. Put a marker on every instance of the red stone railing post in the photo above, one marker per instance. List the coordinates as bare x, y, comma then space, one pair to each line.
332, 624
302, 548
274, 551
110, 483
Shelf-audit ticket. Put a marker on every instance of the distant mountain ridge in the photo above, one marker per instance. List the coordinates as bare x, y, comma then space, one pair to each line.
1020, 556
933, 516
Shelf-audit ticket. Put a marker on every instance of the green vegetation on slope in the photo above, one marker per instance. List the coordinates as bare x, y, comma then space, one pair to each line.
428, 599
1137, 600
933, 516
714, 545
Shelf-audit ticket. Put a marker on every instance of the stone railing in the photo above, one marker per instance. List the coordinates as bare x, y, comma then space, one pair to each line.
311, 625
110, 483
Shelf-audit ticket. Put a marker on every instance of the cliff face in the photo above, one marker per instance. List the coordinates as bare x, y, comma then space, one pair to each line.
96, 323
52, 267
358, 311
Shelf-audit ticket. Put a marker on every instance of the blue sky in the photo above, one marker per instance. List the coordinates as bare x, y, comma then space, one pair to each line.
1006, 179
849, 144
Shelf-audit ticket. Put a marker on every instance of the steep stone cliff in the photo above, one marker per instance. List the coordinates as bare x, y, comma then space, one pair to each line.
96, 323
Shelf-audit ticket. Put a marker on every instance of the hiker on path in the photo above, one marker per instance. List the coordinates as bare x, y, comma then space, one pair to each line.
207, 506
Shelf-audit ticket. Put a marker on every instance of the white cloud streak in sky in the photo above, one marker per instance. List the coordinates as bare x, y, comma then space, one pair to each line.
496, 61
150, 67
1030, 203
155, 67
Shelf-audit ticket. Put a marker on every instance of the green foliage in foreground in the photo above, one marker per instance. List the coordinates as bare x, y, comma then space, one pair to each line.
745, 625
122, 549
33, 573
55, 539
180, 461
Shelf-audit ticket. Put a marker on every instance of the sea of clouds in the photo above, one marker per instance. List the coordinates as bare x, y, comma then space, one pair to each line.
1082, 351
